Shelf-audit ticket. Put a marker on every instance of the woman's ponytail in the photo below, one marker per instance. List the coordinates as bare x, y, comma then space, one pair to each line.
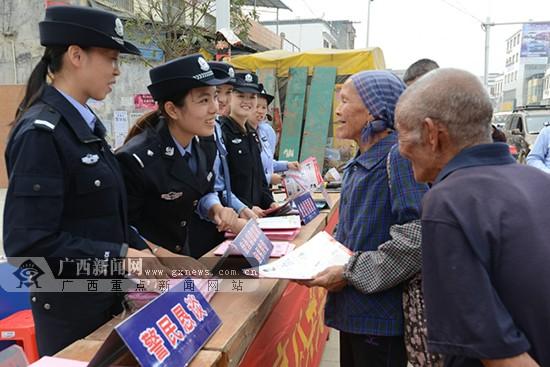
150, 119
50, 62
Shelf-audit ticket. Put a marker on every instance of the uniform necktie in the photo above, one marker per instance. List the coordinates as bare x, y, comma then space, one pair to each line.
187, 158
99, 130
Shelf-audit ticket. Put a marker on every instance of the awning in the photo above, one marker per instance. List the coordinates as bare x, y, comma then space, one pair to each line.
347, 62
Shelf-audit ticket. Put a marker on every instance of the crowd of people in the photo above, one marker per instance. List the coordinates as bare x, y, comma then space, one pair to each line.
448, 232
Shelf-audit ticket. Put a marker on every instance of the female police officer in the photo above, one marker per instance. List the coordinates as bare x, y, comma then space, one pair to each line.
168, 160
243, 146
66, 196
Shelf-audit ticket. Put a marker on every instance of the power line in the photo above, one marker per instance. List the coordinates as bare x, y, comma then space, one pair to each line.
463, 11
309, 8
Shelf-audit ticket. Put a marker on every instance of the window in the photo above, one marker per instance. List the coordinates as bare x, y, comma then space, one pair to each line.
520, 124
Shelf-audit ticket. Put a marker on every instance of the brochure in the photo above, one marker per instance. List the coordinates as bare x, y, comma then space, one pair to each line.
306, 261
308, 178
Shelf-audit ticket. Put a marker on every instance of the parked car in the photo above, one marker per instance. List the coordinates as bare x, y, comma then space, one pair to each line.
500, 118
524, 125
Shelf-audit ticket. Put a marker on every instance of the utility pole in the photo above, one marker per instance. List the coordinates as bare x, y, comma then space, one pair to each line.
222, 14
368, 20
487, 30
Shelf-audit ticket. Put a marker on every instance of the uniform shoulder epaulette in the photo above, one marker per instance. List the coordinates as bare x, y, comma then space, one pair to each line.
47, 119
145, 155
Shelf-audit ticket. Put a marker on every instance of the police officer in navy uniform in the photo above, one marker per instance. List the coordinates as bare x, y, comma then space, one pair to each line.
243, 146
66, 195
223, 179
168, 162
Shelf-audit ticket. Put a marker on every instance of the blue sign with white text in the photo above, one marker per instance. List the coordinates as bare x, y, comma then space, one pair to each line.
171, 329
306, 207
253, 243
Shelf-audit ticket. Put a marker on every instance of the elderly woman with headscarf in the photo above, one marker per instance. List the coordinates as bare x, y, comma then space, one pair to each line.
379, 212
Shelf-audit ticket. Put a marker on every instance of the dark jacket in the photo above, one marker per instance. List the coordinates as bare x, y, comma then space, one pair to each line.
163, 192
66, 198
245, 164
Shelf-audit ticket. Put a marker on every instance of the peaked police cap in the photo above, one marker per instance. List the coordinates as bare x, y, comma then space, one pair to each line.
181, 74
223, 70
246, 83
263, 93
83, 26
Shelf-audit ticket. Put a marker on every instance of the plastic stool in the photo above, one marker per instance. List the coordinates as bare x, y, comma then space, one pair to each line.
19, 327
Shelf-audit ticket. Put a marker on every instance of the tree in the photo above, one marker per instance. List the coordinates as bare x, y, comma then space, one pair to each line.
181, 27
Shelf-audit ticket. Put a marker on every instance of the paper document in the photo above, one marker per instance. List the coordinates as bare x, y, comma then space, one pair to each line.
306, 179
47, 361
274, 234
314, 256
280, 248
285, 222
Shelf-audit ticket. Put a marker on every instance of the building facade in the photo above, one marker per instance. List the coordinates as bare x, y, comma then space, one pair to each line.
525, 65
309, 34
495, 83
546, 88
535, 88
20, 51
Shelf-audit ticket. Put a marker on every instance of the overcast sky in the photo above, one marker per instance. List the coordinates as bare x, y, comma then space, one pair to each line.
407, 30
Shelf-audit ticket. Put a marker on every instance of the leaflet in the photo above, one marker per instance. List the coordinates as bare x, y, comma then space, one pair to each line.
284, 222
308, 178
280, 248
314, 256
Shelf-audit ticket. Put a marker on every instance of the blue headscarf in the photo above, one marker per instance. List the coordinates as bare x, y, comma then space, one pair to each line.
379, 91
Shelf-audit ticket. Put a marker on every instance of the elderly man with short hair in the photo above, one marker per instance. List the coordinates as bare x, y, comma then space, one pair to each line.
485, 232
417, 69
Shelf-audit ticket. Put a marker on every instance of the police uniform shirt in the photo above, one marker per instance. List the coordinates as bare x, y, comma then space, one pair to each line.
66, 195
245, 165
163, 192
84, 111
221, 182
187, 154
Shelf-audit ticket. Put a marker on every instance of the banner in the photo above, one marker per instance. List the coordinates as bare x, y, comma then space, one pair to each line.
171, 329
144, 101
294, 333
535, 40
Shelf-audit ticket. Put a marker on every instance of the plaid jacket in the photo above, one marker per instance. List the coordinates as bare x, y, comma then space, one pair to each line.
368, 208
